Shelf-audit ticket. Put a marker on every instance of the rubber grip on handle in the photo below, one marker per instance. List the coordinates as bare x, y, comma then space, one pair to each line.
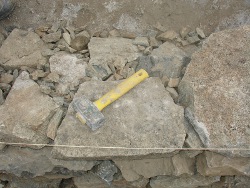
121, 89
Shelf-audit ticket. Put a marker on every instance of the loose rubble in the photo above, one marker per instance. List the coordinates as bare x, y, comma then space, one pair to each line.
177, 107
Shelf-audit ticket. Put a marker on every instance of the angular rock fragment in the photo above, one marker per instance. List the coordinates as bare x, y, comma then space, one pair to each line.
142, 41
215, 88
6, 78
213, 164
141, 118
168, 35
200, 33
132, 170
54, 123
68, 66
52, 37
25, 114
79, 43
183, 165
22, 48
1, 97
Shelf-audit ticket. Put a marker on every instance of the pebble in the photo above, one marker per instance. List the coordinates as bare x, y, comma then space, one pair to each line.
52, 37
127, 34
45, 89
80, 29
193, 39
62, 89
84, 33
67, 38
1, 97
141, 48
173, 82
160, 27
59, 100
71, 29
154, 42
71, 50
6, 78
168, 35
119, 63
142, 41
79, 43
173, 93
104, 34
184, 31
200, 33
114, 33
165, 81
55, 27
148, 50
5, 87
52, 77
15, 73
38, 74
117, 77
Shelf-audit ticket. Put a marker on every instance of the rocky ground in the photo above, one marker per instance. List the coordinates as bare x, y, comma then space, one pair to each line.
190, 101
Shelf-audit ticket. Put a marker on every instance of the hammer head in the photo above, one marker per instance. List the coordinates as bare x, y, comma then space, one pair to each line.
88, 112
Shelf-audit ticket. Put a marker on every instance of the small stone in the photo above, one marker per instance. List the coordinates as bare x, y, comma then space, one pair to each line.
154, 42
114, 33
71, 50
38, 74
173, 93
106, 170
80, 29
70, 29
61, 47
104, 34
193, 39
127, 34
67, 38
130, 72
173, 82
84, 51
84, 33
119, 63
45, 89
96, 34
200, 33
184, 43
55, 27
62, 89
117, 77
165, 81
142, 41
160, 27
141, 48
79, 43
54, 124
58, 100
184, 31
48, 52
28, 69
52, 77
169, 35
52, 37
6, 78
148, 50
5, 87
1, 97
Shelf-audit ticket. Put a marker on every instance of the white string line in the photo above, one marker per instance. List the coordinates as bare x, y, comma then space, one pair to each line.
124, 148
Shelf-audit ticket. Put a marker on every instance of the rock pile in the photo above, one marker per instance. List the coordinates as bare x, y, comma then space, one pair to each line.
202, 103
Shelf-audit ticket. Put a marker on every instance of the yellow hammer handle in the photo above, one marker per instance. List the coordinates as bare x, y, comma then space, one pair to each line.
121, 89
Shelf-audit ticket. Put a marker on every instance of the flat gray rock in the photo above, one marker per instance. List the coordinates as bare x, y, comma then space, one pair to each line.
216, 91
105, 51
22, 48
26, 112
146, 117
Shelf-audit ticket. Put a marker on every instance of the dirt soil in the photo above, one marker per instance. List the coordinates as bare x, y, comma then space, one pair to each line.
132, 15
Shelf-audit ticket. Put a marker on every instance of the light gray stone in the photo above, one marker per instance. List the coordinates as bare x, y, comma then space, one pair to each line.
200, 32
213, 164
184, 31
193, 39
168, 35
183, 182
29, 163
6, 78
141, 118
25, 114
173, 93
54, 123
68, 66
22, 48
142, 41
183, 165
1, 97
79, 43
104, 51
66, 37
52, 37
215, 88
132, 170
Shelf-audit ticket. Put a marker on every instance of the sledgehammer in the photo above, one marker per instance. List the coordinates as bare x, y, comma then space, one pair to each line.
90, 112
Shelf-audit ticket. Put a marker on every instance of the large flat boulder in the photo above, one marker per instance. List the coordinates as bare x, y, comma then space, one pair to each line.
26, 112
22, 48
216, 91
146, 117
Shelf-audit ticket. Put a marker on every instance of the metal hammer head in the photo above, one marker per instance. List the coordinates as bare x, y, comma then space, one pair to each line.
88, 112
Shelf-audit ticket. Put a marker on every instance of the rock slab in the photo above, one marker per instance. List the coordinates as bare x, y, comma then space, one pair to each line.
216, 90
22, 48
26, 112
140, 119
